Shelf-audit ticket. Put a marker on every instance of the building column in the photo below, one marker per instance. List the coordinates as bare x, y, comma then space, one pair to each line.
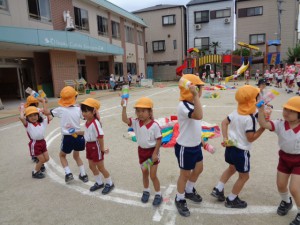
92, 69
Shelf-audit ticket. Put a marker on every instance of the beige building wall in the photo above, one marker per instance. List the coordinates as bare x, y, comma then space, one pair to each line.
268, 23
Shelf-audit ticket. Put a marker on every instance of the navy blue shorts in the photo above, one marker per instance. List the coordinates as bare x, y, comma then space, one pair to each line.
187, 157
239, 158
69, 143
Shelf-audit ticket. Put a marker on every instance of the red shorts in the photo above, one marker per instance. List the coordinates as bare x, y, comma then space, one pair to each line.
37, 147
146, 153
93, 151
289, 82
289, 163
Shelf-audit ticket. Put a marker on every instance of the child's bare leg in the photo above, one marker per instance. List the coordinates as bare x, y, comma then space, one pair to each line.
154, 178
101, 168
77, 158
93, 168
63, 159
282, 182
227, 174
196, 172
294, 188
239, 184
40, 162
182, 179
145, 178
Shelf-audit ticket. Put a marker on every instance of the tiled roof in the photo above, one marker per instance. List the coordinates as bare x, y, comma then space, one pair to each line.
198, 2
157, 7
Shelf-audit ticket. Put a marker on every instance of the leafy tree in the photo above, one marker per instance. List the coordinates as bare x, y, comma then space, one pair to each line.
293, 54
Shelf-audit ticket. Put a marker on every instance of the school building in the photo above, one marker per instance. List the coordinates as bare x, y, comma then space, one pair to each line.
46, 42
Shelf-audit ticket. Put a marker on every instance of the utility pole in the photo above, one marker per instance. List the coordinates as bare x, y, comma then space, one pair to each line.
279, 9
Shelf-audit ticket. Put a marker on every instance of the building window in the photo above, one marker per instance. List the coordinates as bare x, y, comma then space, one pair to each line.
119, 69
175, 44
115, 30
202, 43
158, 46
257, 39
146, 47
131, 68
201, 16
168, 20
39, 10
81, 19
140, 38
216, 14
3, 5
254, 11
129, 34
102, 25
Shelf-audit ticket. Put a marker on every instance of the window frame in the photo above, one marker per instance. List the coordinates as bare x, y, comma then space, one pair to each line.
37, 15
244, 12
257, 43
80, 26
118, 66
163, 42
202, 46
213, 13
168, 16
102, 23
5, 6
129, 32
115, 28
205, 20
139, 38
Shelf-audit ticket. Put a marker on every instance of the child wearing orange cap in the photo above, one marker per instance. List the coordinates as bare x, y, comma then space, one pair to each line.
95, 150
288, 169
35, 127
239, 131
148, 135
70, 115
188, 147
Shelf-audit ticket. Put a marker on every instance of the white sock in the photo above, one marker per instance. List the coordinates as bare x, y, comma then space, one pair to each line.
189, 186
231, 197
179, 196
158, 193
147, 189
99, 179
67, 170
220, 186
82, 170
109, 181
285, 197
34, 171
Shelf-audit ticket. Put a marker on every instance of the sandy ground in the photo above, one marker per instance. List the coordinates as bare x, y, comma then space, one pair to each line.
24, 200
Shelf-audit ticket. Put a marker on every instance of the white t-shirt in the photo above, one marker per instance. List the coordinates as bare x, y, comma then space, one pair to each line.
298, 78
36, 131
239, 126
190, 130
146, 135
93, 131
69, 118
288, 139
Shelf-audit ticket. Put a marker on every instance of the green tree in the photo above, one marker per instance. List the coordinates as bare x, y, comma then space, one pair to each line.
293, 54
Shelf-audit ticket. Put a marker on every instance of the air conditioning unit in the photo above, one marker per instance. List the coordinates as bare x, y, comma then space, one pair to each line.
197, 26
227, 20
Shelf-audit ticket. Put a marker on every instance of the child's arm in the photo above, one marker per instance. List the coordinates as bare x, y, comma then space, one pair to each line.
198, 112
156, 150
252, 136
22, 117
101, 143
224, 129
124, 113
261, 119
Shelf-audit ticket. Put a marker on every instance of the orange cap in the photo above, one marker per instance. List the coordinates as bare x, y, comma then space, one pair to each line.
246, 98
91, 102
144, 102
185, 94
67, 96
30, 100
31, 110
293, 104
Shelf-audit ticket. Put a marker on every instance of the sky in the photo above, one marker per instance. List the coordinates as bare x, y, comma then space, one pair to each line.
133, 5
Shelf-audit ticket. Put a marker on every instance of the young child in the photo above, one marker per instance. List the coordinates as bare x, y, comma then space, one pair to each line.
70, 115
148, 135
247, 77
238, 130
188, 148
95, 150
204, 76
235, 78
219, 77
288, 169
35, 127
256, 75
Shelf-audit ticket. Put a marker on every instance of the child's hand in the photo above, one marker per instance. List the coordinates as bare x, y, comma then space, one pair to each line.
193, 90
122, 103
224, 143
106, 151
154, 157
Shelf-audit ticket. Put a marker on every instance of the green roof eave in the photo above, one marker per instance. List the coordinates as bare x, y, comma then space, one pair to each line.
57, 40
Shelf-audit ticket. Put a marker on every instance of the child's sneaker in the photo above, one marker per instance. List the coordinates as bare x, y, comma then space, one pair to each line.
218, 194
284, 207
296, 221
236, 203
157, 200
69, 177
194, 196
145, 197
84, 178
38, 175
108, 188
43, 168
96, 186
182, 207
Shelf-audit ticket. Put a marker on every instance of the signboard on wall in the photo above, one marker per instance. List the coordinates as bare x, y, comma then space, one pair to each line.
146, 82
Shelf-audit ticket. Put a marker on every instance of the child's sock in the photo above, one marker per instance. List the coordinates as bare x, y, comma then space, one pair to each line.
158, 193
179, 196
189, 186
34, 171
99, 179
82, 170
109, 181
67, 170
147, 189
285, 197
220, 186
231, 197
